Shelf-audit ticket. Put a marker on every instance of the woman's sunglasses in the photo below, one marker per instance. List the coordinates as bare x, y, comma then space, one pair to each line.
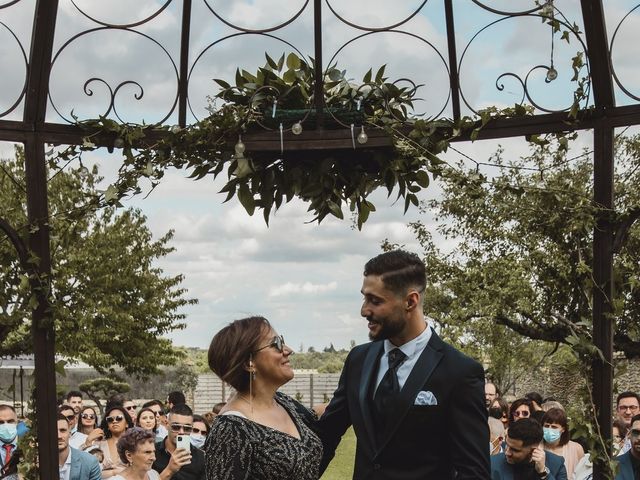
523, 414
88, 416
277, 343
114, 419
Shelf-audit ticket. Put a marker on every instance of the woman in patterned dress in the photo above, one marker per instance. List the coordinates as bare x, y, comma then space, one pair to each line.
261, 434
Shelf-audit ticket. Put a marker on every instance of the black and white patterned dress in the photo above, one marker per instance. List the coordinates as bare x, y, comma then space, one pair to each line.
237, 448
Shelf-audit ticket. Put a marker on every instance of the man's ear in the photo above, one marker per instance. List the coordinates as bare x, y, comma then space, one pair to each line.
412, 300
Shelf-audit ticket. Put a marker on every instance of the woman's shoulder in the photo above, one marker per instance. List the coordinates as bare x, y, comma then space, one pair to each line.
575, 448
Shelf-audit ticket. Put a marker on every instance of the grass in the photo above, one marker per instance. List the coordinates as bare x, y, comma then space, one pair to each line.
341, 467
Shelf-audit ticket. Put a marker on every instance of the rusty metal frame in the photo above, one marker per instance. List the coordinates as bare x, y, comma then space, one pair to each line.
34, 133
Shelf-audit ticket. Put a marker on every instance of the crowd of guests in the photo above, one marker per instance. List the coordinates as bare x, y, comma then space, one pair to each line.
531, 428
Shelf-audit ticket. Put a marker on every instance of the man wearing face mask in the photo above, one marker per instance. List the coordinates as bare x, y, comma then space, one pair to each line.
523, 458
8, 440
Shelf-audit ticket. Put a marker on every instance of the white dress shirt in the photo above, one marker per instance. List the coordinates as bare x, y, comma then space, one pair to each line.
412, 349
65, 468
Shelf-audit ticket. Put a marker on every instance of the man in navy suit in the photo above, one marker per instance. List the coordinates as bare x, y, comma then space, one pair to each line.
416, 403
524, 458
74, 464
629, 468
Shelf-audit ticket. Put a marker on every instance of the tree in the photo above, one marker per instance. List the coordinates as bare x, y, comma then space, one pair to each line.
112, 305
523, 258
103, 387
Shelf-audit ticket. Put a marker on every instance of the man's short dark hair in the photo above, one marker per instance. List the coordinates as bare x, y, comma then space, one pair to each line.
181, 409
62, 417
151, 403
399, 269
534, 397
627, 395
73, 393
176, 398
64, 407
527, 430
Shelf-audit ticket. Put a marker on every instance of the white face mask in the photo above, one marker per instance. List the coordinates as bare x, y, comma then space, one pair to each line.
197, 440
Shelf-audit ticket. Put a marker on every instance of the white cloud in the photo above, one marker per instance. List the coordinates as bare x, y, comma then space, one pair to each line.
290, 288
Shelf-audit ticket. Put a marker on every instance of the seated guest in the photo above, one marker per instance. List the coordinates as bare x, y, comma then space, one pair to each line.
177, 463
619, 434
88, 420
523, 457
137, 450
115, 422
260, 433
500, 409
629, 468
556, 439
157, 408
74, 464
147, 420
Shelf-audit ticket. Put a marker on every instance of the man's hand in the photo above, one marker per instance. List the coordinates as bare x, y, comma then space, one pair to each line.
538, 457
179, 458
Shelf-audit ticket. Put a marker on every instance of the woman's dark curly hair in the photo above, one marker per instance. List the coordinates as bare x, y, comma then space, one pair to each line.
105, 426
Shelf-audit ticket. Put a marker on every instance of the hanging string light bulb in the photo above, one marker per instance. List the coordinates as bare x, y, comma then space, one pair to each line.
239, 148
281, 140
296, 129
547, 11
353, 140
362, 137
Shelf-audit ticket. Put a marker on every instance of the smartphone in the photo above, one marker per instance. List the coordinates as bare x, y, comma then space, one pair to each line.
184, 442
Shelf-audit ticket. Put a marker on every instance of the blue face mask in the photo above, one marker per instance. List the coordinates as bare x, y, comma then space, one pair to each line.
197, 440
551, 435
8, 432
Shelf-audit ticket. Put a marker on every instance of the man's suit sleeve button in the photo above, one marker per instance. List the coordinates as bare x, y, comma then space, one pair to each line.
376, 466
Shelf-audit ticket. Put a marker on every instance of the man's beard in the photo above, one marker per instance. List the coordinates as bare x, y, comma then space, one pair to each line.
389, 327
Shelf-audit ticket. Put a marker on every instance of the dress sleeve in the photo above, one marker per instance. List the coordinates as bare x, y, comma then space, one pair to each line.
228, 450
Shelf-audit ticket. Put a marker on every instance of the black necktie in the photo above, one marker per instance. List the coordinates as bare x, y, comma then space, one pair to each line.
388, 388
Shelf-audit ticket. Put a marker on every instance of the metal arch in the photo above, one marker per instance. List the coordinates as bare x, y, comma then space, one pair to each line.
123, 25
26, 64
258, 30
374, 29
613, 70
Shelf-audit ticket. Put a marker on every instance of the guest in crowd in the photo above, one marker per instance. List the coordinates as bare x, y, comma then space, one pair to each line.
520, 408
523, 458
161, 427
175, 398
88, 420
115, 422
136, 449
130, 406
619, 434
258, 423
549, 404
74, 464
629, 462
536, 401
147, 419
496, 435
179, 463
199, 431
74, 400
557, 439
500, 410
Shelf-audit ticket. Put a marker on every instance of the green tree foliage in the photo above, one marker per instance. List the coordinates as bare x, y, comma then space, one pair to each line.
103, 387
112, 305
522, 264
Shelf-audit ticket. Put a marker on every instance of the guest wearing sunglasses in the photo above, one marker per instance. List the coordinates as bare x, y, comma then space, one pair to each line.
88, 420
520, 408
177, 463
116, 421
260, 433
199, 431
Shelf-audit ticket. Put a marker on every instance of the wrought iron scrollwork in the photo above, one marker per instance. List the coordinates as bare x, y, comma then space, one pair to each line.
616, 78
23, 90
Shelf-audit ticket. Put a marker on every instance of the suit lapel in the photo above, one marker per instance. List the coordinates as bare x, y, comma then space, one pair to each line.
369, 370
75, 466
422, 370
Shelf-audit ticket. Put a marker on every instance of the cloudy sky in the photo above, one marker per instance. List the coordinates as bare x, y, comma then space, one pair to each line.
304, 277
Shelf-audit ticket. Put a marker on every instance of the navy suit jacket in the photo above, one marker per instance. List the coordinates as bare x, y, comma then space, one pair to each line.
625, 471
426, 442
501, 470
84, 466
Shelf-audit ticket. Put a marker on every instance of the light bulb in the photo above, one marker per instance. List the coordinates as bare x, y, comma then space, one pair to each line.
239, 148
296, 129
362, 137
552, 74
175, 129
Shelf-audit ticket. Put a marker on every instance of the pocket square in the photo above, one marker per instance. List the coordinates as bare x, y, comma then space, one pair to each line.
426, 398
